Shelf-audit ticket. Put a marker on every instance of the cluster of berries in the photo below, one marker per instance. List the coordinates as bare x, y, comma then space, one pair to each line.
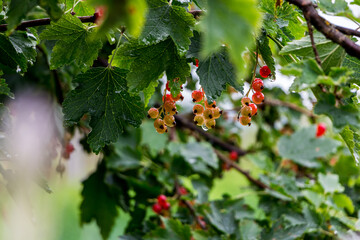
250, 109
164, 115
205, 116
161, 204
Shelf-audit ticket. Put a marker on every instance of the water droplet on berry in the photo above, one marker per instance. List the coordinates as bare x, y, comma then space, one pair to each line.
205, 128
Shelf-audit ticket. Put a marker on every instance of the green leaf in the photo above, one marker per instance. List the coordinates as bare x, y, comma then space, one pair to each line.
128, 13
336, 76
75, 43
98, 203
150, 138
82, 8
330, 183
265, 52
352, 140
221, 218
25, 44
353, 63
10, 57
148, 62
343, 201
215, 73
341, 116
52, 8
173, 230
303, 147
102, 93
18, 10
149, 91
314, 197
249, 230
243, 17
281, 231
337, 6
4, 89
163, 21
331, 54
200, 156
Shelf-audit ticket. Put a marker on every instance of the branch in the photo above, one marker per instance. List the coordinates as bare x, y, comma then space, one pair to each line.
215, 141
43, 21
348, 31
226, 160
317, 58
326, 28
275, 102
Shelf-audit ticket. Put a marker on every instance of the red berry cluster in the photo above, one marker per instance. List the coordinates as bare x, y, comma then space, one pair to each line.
204, 116
164, 115
250, 109
161, 204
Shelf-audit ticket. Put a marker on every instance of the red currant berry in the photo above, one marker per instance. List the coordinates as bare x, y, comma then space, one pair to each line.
161, 199
178, 97
165, 206
197, 95
258, 97
157, 208
153, 113
167, 98
246, 111
198, 109
210, 105
197, 62
265, 71
170, 106
254, 109
69, 148
245, 120
167, 86
321, 129
233, 155
258, 85
183, 191
245, 101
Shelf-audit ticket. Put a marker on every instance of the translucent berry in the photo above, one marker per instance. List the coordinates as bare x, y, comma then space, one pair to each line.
153, 113
233, 155
170, 106
178, 97
253, 109
161, 199
169, 120
245, 101
197, 95
199, 120
197, 62
258, 97
210, 123
217, 112
161, 130
245, 120
258, 85
210, 105
208, 114
246, 111
167, 98
157, 208
321, 129
182, 191
167, 86
159, 123
198, 109
265, 71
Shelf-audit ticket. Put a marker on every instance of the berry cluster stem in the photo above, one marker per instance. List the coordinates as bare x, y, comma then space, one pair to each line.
116, 49
254, 71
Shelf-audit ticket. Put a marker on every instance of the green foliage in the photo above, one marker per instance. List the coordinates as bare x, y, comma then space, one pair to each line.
102, 93
75, 43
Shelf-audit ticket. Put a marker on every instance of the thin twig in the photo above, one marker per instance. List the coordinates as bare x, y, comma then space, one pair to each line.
226, 160
215, 141
316, 53
276, 102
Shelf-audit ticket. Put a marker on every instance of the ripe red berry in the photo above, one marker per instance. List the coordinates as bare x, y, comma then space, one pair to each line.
157, 208
183, 191
167, 98
165, 206
321, 129
258, 97
167, 86
178, 97
161, 199
233, 155
254, 109
69, 148
265, 71
258, 85
197, 95
197, 62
